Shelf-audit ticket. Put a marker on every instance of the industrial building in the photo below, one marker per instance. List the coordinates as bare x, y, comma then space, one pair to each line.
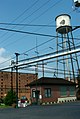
8, 81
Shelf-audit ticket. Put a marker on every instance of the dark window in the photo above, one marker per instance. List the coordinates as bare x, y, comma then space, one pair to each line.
33, 94
47, 92
63, 91
1, 89
1, 92
1, 79
72, 91
1, 82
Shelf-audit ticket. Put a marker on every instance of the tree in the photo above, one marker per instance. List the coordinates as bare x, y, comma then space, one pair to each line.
78, 78
10, 98
78, 91
1, 100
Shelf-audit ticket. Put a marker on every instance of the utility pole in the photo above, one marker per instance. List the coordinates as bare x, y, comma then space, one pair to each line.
12, 81
12, 64
11, 78
43, 68
36, 91
17, 54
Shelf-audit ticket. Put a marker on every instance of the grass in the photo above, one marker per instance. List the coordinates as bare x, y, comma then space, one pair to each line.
3, 106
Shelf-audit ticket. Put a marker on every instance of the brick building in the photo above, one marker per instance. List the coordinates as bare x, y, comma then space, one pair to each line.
51, 90
8, 81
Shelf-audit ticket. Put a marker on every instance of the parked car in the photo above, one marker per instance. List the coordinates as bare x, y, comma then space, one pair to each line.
23, 102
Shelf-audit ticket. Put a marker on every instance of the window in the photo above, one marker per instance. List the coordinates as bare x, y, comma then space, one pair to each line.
1, 79
72, 91
1, 89
47, 92
33, 94
2, 83
63, 90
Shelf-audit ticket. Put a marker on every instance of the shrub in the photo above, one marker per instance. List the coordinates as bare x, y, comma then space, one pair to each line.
1, 100
10, 98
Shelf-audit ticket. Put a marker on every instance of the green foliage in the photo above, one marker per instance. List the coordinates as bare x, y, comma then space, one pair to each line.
1, 100
78, 77
78, 92
10, 98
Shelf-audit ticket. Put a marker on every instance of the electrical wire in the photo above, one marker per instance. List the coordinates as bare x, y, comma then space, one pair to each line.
35, 25
30, 25
26, 10
44, 12
35, 11
34, 34
21, 21
39, 9
31, 33
30, 49
25, 32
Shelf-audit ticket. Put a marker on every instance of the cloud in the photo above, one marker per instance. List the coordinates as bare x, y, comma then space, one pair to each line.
2, 51
4, 58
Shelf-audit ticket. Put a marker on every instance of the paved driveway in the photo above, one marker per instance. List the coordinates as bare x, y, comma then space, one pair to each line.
57, 111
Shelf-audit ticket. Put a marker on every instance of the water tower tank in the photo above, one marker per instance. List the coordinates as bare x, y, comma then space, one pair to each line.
63, 24
77, 3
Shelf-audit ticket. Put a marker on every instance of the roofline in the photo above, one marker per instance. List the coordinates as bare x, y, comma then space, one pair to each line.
63, 15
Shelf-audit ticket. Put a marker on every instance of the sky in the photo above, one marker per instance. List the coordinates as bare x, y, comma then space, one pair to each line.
36, 13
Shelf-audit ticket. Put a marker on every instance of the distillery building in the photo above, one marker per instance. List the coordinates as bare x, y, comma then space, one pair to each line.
8, 81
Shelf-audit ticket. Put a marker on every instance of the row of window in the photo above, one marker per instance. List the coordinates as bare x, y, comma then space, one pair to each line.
63, 92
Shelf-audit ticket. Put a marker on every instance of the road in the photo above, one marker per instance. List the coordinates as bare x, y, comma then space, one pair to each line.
56, 111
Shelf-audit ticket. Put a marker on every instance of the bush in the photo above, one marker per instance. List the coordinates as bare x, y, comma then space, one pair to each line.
10, 98
1, 100
78, 94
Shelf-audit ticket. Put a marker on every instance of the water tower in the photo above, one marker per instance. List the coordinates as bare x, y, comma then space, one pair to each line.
77, 3
65, 42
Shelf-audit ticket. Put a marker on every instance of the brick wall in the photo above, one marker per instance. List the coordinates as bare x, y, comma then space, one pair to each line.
8, 80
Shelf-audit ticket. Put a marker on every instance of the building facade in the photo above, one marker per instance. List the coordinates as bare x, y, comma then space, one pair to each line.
52, 90
8, 81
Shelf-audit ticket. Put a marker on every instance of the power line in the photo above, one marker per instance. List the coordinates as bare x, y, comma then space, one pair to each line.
35, 11
29, 16
31, 33
38, 17
30, 50
37, 46
32, 5
25, 32
21, 15
39, 9
60, 51
47, 57
36, 25
53, 5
